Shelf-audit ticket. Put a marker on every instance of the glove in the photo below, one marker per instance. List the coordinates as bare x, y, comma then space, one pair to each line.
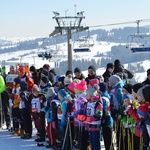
11, 103
53, 125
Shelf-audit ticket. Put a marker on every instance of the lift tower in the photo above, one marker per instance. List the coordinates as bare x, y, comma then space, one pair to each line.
68, 25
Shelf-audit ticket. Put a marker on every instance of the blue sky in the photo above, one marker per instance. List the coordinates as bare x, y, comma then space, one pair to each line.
34, 17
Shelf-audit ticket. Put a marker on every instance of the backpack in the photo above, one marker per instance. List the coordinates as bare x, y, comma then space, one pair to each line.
113, 99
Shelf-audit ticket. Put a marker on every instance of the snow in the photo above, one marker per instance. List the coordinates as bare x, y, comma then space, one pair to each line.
10, 142
60, 54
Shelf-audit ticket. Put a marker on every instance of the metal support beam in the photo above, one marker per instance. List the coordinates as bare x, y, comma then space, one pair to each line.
68, 29
69, 37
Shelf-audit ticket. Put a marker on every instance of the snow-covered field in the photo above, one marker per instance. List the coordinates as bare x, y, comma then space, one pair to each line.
30, 56
10, 142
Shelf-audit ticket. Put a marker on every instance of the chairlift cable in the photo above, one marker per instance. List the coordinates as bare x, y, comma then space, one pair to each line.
120, 23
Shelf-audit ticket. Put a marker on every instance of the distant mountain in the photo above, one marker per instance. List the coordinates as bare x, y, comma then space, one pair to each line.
115, 35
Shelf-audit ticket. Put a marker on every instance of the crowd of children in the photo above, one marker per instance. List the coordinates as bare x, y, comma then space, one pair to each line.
77, 112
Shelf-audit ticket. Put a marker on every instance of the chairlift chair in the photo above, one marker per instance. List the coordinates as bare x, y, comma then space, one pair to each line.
83, 44
138, 42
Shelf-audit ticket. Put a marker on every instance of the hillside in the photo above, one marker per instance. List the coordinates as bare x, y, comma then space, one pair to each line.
17, 49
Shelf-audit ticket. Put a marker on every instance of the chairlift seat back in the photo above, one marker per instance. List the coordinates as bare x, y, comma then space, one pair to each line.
140, 49
82, 50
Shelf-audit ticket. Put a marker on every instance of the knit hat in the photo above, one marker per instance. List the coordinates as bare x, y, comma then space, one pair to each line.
117, 62
44, 79
69, 72
140, 92
71, 87
143, 110
50, 92
114, 79
77, 70
146, 93
32, 68
110, 65
46, 66
57, 77
22, 69
81, 86
103, 86
45, 73
128, 96
92, 67
148, 71
11, 67
128, 87
17, 80
137, 86
92, 90
67, 80
35, 88
93, 81
63, 93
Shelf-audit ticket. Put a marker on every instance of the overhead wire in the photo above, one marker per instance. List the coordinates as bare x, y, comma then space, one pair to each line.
120, 23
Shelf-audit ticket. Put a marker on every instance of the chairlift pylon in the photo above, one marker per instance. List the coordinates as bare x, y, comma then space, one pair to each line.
138, 42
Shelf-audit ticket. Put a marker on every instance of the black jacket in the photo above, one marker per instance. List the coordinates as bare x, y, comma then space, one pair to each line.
106, 75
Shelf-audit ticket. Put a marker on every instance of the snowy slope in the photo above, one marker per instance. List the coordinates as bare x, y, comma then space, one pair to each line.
60, 54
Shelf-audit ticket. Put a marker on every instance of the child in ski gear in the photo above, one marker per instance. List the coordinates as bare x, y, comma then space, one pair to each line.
62, 114
25, 110
37, 103
25, 77
116, 94
107, 121
80, 115
50, 111
45, 84
94, 112
14, 103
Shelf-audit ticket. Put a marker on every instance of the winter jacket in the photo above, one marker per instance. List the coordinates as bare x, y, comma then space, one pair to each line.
2, 84
133, 113
80, 78
116, 95
146, 133
106, 75
87, 79
80, 106
147, 81
94, 112
107, 120
29, 80
44, 88
63, 121
51, 109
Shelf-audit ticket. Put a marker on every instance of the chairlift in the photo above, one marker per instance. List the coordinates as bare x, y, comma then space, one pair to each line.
83, 44
138, 42
45, 55
140, 49
81, 50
